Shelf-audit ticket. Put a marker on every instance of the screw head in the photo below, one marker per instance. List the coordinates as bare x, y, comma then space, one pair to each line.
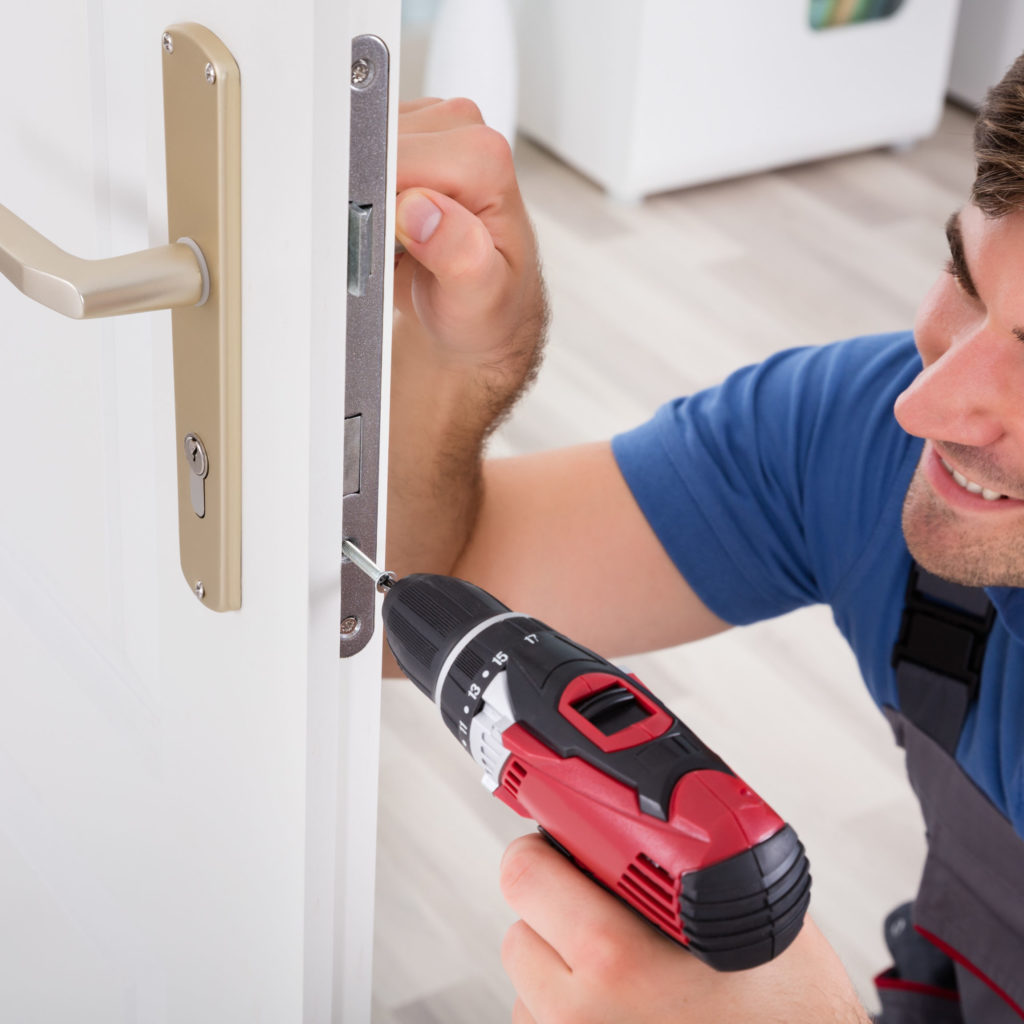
349, 625
211, 74
200, 590
168, 42
362, 72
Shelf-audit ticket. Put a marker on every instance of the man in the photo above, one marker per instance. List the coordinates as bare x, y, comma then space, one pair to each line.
792, 483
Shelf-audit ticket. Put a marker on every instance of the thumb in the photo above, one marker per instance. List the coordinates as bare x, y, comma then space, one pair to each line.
447, 240
416, 217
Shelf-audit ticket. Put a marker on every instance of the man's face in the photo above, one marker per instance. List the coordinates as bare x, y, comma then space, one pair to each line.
963, 517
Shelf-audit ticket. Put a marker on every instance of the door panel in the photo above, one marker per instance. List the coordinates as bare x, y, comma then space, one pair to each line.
187, 799
50, 130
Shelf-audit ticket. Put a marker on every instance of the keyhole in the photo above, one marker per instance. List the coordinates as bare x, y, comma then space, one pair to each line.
199, 464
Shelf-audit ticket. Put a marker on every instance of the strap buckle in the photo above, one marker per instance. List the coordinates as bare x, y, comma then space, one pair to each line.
944, 628
939, 653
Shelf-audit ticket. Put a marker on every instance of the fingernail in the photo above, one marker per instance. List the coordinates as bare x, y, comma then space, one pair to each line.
417, 217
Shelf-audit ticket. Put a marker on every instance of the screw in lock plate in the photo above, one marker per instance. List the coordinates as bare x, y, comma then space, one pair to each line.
211, 73
349, 626
200, 590
362, 73
168, 42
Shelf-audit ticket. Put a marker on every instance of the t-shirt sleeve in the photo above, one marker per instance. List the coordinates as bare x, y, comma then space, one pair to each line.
765, 489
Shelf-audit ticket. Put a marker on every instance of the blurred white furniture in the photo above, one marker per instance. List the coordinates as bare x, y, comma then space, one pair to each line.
653, 95
989, 37
472, 52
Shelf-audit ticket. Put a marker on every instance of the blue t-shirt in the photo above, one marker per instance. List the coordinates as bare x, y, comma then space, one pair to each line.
784, 486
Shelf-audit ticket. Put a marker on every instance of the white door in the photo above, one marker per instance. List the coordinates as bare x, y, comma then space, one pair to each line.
187, 798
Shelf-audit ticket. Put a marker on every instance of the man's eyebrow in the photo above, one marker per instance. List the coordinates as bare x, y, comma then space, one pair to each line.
956, 254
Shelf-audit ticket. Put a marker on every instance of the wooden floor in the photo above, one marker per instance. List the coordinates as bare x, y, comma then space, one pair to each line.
651, 301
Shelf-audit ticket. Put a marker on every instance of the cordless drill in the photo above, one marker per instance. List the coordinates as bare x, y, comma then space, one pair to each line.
613, 779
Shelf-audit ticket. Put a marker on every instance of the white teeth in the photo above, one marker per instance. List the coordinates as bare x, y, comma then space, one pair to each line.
970, 485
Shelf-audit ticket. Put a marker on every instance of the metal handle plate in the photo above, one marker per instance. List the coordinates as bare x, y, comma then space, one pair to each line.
202, 127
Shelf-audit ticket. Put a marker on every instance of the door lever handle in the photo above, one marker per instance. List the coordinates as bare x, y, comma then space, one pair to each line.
164, 277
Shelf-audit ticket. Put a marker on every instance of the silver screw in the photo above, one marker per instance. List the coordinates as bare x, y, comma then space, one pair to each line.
362, 72
349, 625
200, 590
168, 42
211, 74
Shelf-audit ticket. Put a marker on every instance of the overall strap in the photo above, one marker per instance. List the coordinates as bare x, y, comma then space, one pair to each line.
939, 653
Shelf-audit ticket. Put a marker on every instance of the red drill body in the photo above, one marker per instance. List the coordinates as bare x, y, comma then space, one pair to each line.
610, 775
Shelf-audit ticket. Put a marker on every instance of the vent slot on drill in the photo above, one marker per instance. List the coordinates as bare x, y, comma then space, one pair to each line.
653, 891
611, 710
515, 774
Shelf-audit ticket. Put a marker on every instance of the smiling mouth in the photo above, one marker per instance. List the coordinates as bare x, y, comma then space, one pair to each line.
970, 485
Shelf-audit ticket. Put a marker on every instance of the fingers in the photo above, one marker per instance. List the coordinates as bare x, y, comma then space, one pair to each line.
469, 278
471, 163
445, 145
539, 975
411, 106
434, 115
447, 153
583, 923
452, 278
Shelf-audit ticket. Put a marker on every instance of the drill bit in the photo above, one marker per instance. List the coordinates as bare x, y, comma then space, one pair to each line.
382, 579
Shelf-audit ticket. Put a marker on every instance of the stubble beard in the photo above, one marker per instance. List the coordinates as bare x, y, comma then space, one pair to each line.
961, 552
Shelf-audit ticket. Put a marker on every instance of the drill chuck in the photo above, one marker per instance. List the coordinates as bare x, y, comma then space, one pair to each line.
428, 619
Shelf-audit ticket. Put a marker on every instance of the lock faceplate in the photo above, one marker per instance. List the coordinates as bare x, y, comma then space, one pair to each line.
202, 124
364, 329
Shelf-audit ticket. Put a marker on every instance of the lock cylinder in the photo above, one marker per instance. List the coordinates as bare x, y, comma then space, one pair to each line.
199, 467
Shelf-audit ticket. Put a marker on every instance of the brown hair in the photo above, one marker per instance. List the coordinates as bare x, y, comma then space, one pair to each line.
999, 146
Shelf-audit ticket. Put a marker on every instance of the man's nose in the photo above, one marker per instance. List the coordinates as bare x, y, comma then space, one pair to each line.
965, 391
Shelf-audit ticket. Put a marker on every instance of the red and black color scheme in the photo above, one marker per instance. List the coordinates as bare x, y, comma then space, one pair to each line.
611, 776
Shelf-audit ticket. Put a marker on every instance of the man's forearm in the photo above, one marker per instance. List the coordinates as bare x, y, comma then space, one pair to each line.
434, 460
441, 416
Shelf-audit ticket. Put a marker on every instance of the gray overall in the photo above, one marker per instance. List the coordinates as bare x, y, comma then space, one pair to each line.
969, 910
